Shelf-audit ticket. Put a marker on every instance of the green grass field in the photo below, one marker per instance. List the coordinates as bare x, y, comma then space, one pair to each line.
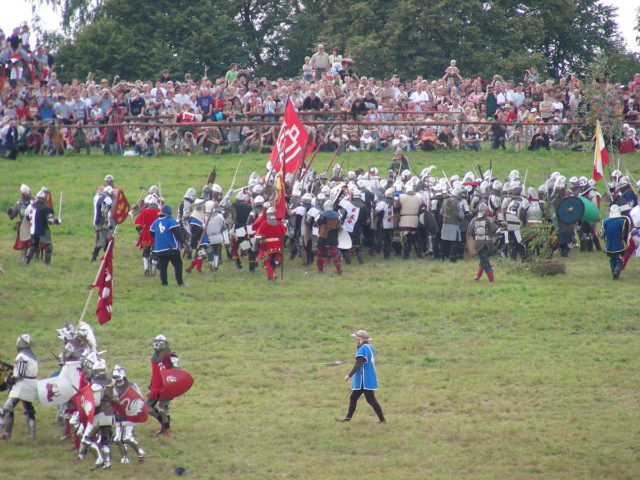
529, 377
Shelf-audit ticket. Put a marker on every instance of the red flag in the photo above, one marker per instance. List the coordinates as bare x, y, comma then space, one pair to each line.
122, 206
291, 143
105, 286
600, 155
281, 201
85, 403
132, 406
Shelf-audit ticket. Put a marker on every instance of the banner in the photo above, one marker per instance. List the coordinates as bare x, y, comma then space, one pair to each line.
291, 144
54, 391
600, 155
105, 286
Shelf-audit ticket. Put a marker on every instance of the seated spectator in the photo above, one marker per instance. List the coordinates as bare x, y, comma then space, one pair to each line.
358, 108
172, 143
12, 139
312, 102
34, 140
446, 139
367, 142
428, 139
209, 139
188, 144
471, 139
540, 139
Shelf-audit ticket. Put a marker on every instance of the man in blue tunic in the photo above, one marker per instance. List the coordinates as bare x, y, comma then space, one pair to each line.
616, 234
167, 241
364, 379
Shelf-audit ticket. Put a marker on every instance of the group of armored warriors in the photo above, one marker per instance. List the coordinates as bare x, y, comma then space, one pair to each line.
395, 214
348, 215
84, 365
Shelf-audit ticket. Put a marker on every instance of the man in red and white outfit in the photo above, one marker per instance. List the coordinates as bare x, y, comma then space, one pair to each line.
270, 239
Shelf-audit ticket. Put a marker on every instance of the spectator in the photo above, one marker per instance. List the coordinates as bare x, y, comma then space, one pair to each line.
540, 139
320, 62
499, 131
471, 139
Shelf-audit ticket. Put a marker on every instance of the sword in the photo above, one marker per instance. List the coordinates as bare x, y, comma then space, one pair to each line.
60, 209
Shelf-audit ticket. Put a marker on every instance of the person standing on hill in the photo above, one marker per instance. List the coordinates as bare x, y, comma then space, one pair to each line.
364, 378
167, 241
320, 62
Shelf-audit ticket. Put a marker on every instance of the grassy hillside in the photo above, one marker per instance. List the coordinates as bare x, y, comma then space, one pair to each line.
526, 378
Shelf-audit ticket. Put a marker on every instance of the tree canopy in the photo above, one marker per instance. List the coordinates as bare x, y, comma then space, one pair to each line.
408, 37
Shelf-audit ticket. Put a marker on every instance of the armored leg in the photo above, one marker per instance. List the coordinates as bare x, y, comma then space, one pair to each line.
47, 254
6, 417
130, 439
30, 414
94, 254
358, 252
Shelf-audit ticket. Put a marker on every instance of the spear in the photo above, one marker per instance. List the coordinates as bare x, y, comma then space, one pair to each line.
60, 209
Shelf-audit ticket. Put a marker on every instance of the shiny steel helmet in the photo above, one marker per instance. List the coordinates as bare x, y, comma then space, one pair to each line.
532, 193
258, 201
484, 186
257, 189
320, 199
108, 180
41, 195
118, 374
624, 181
271, 213
514, 175
328, 205
154, 190
216, 188
160, 343
388, 193
24, 189
99, 368
583, 182
151, 200
573, 181
24, 341
496, 185
307, 198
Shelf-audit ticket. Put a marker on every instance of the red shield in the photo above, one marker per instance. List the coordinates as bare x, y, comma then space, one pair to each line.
121, 206
132, 406
85, 403
174, 383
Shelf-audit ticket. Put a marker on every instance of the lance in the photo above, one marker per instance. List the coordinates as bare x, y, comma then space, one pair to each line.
335, 154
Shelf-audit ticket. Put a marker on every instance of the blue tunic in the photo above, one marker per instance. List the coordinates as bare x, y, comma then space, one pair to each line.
616, 230
163, 235
365, 377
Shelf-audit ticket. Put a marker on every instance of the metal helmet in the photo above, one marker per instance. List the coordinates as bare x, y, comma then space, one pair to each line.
99, 368
457, 192
468, 177
614, 211
151, 200
484, 186
591, 182
406, 174
559, 183
555, 175
66, 333
190, 194
532, 194
506, 187
616, 174
409, 188
516, 189
573, 181
206, 191
624, 181
154, 190
160, 343
24, 341
271, 213
496, 185
514, 175
259, 200
337, 170
118, 374
41, 195
583, 182
351, 175
482, 210
216, 188
388, 193
325, 190
320, 199
543, 190
24, 189
257, 189
328, 205
108, 180
241, 197
454, 178
307, 198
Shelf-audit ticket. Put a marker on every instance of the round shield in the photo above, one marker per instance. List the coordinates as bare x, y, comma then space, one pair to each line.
430, 223
175, 382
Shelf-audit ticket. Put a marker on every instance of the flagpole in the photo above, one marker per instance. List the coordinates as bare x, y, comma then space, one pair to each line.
335, 154
93, 285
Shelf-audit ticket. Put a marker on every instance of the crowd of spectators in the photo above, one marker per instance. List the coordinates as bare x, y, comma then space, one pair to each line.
38, 113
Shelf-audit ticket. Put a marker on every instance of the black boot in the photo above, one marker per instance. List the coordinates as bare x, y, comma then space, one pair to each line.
94, 255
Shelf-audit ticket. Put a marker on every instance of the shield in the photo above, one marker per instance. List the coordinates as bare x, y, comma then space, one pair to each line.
572, 209
244, 235
344, 240
54, 391
430, 223
132, 406
175, 382
121, 206
5, 369
85, 404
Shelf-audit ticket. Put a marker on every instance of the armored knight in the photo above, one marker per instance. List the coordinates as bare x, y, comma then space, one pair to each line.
40, 217
124, 435
163, 358
23, 388
17, 211
103, 221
